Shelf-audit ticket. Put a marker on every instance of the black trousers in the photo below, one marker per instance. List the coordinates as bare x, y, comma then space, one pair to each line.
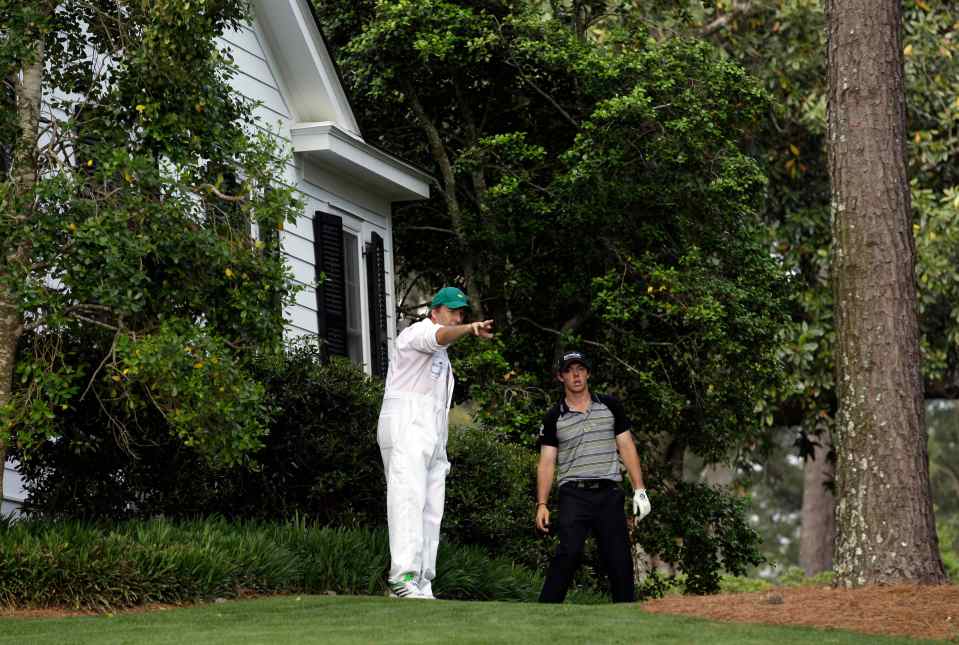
582, 511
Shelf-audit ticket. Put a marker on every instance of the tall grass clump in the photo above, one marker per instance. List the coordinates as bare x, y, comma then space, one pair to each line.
101, 566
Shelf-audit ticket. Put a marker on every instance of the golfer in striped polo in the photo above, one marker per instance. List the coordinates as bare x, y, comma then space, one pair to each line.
582, 440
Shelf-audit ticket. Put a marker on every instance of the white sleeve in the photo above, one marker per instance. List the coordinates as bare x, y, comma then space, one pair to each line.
420, 337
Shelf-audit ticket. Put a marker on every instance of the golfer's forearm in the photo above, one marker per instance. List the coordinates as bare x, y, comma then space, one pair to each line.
630, 456
636, 475
544, 481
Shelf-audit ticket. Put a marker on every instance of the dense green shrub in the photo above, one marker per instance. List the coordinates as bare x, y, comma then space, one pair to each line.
742, 584
490, 495
948, 531
105, 462
319, 459
715, 536
796, 577
84, 565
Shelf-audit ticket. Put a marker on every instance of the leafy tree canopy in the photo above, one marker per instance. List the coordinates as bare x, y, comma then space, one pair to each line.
782, 43
134, 239
597, 191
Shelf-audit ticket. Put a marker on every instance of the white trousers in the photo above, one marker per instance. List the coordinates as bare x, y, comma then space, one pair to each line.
412, 434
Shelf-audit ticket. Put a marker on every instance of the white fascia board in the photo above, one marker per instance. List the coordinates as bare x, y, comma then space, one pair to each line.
326, 144
305, 64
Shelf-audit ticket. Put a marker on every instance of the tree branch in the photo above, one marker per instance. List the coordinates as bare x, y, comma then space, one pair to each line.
542, 92
574, 322
416, 278
430, 228
720, 22
442, 159
109, 354
213, 189
93, 321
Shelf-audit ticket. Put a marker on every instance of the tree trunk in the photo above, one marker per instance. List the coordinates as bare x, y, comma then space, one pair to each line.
452, 202
9, 333
23, 174
886, 530
817, 537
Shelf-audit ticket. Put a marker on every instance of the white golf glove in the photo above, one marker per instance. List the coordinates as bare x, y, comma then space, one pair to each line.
641, 505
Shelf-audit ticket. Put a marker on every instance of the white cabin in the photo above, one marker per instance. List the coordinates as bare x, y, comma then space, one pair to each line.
348, 188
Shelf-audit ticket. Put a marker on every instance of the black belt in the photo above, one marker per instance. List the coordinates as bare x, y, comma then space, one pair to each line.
591, 484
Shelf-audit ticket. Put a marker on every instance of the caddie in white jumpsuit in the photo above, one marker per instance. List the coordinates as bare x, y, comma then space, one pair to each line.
412, 434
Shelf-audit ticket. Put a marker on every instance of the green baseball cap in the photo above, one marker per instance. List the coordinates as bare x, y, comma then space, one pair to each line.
452, 297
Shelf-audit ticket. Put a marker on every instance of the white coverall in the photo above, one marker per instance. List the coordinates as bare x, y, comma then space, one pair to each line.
411, 433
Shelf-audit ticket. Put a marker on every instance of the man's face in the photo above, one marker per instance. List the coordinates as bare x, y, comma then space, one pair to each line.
574, 378
443, 315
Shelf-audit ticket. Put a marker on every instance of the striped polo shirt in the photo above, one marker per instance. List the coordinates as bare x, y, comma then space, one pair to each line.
586, 440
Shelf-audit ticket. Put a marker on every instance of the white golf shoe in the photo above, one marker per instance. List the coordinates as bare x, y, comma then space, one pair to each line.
426, 590
404, 587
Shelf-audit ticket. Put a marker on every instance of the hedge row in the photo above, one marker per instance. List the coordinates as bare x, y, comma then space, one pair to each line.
320, 460
82, 565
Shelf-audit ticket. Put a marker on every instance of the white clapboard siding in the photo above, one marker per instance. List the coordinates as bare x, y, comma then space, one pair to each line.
296, 246
257, 81
302, 319
249, 63
306, 297
303, 271
245, 39
13, 493
303, 226
341, 193
271, 108
364, 211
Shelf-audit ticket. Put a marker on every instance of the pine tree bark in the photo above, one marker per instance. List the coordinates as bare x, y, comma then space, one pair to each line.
817, 537
23, 175
886, 530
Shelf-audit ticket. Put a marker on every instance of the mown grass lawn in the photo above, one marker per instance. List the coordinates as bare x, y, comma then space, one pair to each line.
352, 619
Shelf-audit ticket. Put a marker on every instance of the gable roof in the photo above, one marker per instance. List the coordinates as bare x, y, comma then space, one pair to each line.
309, 73
324, 128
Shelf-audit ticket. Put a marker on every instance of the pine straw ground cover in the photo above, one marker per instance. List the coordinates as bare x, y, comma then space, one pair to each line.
919, 612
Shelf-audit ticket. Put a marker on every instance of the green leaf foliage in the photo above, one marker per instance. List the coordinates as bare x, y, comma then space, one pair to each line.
132, 260
118, 565
714, 535
319, 458
598, 187
574, 162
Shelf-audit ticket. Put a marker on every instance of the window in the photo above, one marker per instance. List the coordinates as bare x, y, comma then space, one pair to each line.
354, 320
339, 293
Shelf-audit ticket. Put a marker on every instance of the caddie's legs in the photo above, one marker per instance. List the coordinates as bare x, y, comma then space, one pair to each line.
406, 452
572, 527
433, 513
612, 539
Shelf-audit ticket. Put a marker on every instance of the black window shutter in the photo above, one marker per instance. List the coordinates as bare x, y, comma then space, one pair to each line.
331, 292
376, 290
